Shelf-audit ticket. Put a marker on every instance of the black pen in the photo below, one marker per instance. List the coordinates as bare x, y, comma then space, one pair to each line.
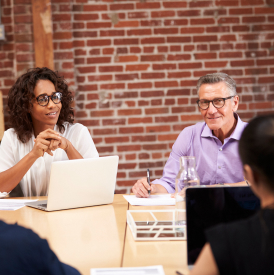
148, 180
179, 273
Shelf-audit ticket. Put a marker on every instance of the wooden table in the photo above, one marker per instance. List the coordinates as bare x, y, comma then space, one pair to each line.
98, 236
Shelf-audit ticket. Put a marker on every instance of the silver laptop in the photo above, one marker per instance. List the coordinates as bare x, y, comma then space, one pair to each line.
80, 183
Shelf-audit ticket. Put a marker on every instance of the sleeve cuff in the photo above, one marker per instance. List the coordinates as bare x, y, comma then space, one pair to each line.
169, 188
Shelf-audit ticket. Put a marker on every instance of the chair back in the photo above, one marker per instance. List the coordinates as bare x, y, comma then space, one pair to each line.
2, 125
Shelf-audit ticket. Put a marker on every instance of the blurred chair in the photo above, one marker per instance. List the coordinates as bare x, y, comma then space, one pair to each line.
2, 125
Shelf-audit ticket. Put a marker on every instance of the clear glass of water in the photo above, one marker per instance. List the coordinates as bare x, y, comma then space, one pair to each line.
186, 177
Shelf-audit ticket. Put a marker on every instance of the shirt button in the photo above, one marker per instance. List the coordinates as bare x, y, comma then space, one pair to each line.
219, 167
220, 149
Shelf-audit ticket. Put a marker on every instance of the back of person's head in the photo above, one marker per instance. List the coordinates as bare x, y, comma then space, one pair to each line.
21, 96
256, 148
216, 78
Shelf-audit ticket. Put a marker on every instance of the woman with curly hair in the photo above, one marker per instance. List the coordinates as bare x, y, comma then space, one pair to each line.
42, 131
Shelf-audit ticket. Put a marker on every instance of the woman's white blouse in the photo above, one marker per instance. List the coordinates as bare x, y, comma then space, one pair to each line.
36, 180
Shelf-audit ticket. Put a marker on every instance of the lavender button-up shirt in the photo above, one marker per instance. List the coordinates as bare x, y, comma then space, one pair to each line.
215, 162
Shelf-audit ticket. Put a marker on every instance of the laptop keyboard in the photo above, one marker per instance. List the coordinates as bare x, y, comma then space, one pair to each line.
43, 205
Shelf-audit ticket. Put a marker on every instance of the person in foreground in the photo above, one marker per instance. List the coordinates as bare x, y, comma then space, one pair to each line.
42, 131
24, 252
247, 246
214, 142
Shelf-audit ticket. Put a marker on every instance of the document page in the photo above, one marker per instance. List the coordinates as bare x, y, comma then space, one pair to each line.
148, 270
151, 200
6, 204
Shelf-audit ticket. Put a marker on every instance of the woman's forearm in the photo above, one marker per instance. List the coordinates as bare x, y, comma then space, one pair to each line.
72, 153
11, 177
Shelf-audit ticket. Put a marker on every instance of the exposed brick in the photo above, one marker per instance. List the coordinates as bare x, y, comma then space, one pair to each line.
139, 120
139, 85
162, 14
97, 60
261, 105
242, 63
146, 58
178, 74
143, 138
202, 21
138, 32
112, 33
154, 147
152, 75
175, 4
138, 15
216, 64
148, 5
204, 56
94, 8
178, 57
127, 24
118, 139
230, 54
175, 22
167, 137
86, 17
229, 20
128, 130
165, 66
177, 39
112, 86
166, 84
158, 128
129, 112
126, 41
205, 38
154, 40
150, 23
187, 13
150, 111
192, 30
264, 10
253, 19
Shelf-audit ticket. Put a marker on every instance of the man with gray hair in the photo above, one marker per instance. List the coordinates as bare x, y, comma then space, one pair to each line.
213, 142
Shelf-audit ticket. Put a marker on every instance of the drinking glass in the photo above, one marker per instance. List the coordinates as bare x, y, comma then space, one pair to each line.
186, 177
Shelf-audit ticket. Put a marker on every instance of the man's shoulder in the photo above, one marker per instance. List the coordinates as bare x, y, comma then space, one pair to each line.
194, 129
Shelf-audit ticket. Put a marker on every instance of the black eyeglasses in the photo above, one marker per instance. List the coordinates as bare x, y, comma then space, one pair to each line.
217, 102
43, 100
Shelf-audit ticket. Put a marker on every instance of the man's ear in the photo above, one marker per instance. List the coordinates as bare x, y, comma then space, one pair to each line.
235, 103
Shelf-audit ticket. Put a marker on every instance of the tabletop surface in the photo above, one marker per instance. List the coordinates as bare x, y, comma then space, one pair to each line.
98, 236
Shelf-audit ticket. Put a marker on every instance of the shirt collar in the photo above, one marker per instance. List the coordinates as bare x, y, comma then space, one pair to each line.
236, 133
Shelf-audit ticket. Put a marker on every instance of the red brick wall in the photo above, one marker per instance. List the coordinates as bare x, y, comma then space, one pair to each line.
134, 65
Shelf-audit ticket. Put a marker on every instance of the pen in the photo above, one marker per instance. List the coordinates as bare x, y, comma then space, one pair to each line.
148, 180
179, 273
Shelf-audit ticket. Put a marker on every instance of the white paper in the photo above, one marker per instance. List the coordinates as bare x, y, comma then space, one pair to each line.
151, 200
6, 204
147, 270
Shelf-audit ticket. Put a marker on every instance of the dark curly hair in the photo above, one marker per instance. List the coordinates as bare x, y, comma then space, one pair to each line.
20, 101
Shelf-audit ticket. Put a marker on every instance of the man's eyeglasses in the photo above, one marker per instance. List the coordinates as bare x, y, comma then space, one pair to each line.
43, 100
217, 102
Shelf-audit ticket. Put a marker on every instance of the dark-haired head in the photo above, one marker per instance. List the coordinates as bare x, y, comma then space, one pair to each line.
20, 99
256, 150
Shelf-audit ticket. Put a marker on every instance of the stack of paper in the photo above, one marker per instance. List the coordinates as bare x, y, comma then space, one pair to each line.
6, 204
148, 270
151, 200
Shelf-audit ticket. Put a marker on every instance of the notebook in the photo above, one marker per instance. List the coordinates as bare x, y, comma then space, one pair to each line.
209, 206
80, 183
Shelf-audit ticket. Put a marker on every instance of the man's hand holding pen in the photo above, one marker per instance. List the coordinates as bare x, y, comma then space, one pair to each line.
141, 188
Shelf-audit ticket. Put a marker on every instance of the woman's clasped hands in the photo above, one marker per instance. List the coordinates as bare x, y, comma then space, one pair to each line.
48, 141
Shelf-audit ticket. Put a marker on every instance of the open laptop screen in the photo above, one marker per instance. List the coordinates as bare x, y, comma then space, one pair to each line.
209, 206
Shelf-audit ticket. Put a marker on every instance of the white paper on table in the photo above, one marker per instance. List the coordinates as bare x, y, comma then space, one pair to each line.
151, 200
147, 270
6, 204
